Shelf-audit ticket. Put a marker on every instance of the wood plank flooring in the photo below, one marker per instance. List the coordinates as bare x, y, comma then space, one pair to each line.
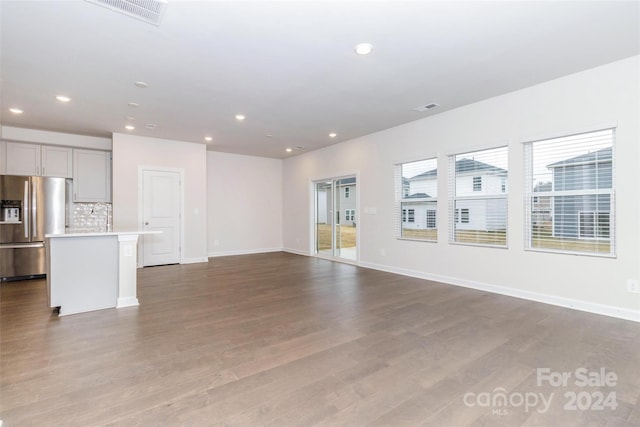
285, 340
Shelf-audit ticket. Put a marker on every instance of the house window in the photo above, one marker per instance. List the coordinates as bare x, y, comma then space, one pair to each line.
347, 190
416, 199
478, 183
461, 216
570, 194
350, 215
431, 218
464, 216
593, 225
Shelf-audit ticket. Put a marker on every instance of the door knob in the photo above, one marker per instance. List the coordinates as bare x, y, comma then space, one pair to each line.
146, 223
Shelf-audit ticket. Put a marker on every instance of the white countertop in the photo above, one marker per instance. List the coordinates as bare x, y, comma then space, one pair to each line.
76, 233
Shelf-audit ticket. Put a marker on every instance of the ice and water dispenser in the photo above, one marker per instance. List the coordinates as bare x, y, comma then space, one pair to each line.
10, 210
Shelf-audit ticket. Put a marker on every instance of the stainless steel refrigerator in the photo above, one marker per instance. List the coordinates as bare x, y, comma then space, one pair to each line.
30, 207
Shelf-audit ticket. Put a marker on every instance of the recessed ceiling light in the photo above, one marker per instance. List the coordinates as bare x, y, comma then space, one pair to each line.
240, 117
288, 150
150, 125
133, 104
131, 118
364, 48
129, 127
299, 147
141, 84
63, 98
16, 110
208, 138
333, 135
269, 135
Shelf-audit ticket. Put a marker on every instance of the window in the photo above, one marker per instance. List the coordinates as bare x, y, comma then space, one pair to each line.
431, 218
347, 190
464, 216
461, 216
478, 183
416, 199
349, 214
570, 193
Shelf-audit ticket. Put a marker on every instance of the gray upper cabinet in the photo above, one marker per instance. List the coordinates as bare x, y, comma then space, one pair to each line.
22, 159
57, 161
36, 160
91, 176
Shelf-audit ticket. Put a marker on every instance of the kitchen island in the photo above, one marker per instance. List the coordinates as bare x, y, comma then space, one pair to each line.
89, 271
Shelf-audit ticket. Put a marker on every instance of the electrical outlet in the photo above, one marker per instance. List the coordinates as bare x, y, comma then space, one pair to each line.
633, 286
216, 242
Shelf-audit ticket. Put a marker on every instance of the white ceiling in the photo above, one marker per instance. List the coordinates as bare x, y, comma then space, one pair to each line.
289, 66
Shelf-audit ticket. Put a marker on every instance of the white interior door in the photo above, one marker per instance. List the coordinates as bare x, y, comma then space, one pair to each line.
161, 208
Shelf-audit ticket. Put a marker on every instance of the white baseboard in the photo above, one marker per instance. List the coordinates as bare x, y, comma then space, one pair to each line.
606, 310
126, 302
296, 251
193, 260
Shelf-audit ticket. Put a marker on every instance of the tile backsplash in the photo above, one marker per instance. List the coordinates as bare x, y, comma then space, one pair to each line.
91, 217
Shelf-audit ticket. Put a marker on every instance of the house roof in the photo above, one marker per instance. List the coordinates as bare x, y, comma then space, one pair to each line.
463, 165
417, 196
599, 156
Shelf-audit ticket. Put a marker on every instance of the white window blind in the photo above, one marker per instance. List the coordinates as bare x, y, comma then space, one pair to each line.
569, 197
417, 200
478, 188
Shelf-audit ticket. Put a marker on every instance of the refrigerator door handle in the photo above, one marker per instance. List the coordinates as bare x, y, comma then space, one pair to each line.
25, 210
22, 246
34, 208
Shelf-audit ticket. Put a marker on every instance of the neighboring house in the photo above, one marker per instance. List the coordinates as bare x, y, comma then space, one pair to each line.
584, 216
473, 179
421, 213
346, 202
541, 206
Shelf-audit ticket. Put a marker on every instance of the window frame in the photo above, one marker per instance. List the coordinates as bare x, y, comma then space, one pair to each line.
455, 213
409, 210
530, 195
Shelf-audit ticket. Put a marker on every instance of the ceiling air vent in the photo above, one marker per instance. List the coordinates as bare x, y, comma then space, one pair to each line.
427, 107
150, 11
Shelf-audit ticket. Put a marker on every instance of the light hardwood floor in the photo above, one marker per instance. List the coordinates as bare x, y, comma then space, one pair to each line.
280, 339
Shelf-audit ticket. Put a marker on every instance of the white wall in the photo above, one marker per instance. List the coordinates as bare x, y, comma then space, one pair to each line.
244, 195
130, 152
54, 138
603, 95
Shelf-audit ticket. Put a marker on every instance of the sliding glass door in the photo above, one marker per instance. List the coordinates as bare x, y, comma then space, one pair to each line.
335, 218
